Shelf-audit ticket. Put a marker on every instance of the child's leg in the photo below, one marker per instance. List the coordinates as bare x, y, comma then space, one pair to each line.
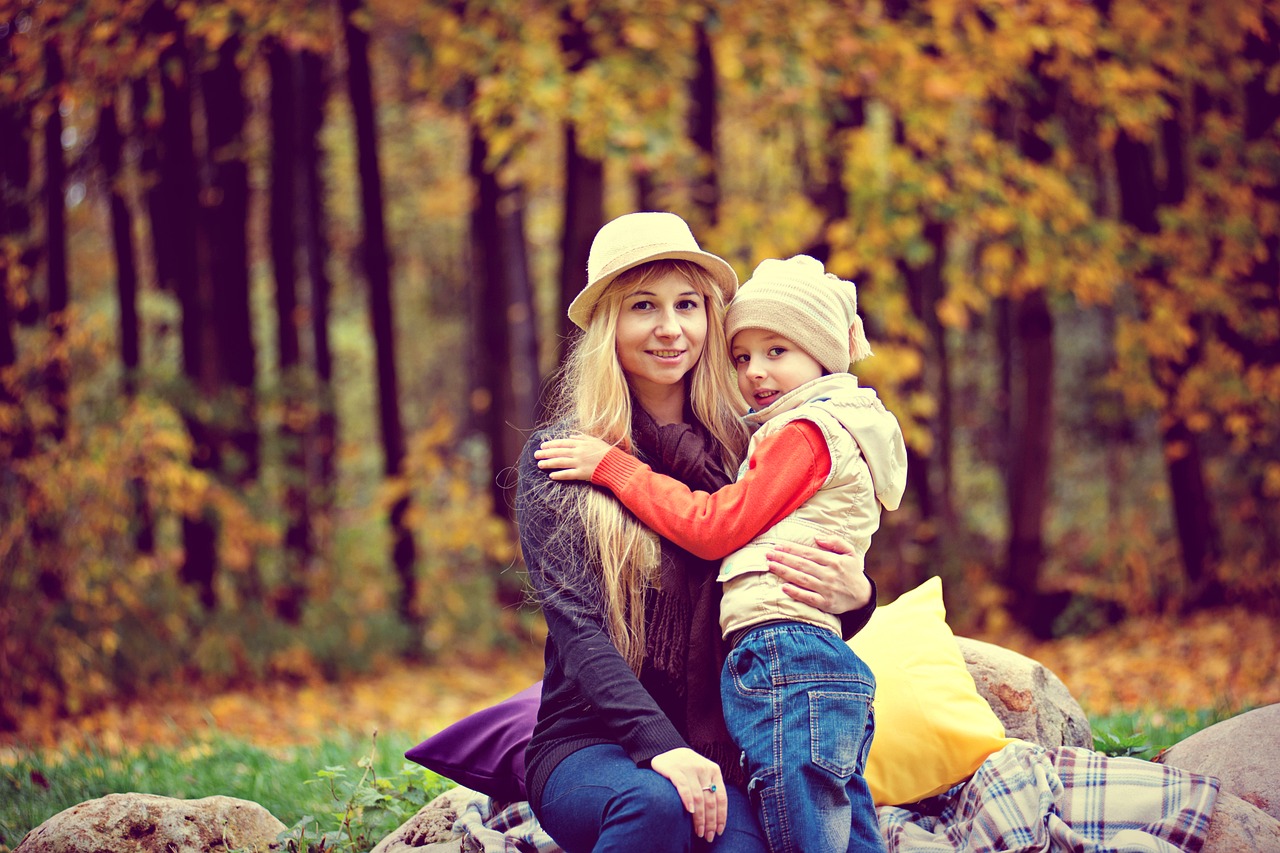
798, 702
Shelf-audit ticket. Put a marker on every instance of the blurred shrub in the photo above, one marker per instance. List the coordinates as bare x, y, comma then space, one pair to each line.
89, 612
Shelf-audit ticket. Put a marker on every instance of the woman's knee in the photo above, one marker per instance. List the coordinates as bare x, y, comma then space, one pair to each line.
638, 810
651, 799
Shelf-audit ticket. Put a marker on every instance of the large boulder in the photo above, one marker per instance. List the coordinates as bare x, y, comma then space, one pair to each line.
1237, 826
1029, 699
147, 823
431, 829
1243, 752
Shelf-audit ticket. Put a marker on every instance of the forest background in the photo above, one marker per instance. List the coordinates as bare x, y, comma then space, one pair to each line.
284, 288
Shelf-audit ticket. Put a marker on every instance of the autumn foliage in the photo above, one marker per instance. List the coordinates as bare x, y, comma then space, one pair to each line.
281, 282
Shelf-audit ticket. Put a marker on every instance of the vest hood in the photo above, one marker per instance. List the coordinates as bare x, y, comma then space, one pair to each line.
861, 413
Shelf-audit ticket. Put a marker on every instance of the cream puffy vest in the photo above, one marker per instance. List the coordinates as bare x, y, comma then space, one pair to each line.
868, 470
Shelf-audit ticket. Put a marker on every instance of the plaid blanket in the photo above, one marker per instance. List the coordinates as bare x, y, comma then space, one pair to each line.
488, 827
1024, 797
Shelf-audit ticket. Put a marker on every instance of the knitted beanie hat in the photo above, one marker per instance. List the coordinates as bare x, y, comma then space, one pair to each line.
813, 309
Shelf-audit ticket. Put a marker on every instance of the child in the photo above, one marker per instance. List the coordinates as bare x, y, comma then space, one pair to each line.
825, 456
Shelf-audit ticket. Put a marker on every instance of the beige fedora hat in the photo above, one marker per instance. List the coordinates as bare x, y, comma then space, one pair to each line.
637, 238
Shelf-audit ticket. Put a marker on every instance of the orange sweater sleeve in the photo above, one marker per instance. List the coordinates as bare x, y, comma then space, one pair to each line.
786, 470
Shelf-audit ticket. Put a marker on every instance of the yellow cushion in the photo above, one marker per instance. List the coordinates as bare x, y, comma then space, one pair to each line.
933, 728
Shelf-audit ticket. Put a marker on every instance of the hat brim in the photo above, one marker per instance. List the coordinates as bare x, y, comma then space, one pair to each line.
718, 268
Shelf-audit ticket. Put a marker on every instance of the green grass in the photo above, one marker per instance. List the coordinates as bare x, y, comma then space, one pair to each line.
1146, 734
311, 789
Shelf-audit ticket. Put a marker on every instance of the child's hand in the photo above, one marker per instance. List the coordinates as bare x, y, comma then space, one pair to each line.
576, 458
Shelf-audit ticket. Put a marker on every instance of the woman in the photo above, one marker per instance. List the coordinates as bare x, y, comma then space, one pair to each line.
630, 751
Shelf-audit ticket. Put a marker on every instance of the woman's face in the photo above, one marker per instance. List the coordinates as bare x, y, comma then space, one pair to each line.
661, 329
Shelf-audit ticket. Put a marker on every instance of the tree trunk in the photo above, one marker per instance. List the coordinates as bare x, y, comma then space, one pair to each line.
177, 256
583, 217
489, 333
16, 254
827, 192
523, 387
110, 144
44, 529
583, 186
284, 228
1032, 415
1262, 111
15, 216
225, 213
311, 94
930, 476
109, 150
1193, 511
644, 188
505, 351
1002, 316
57, 369
703, 117
935, 232
377, 269
150, 176
1031, 396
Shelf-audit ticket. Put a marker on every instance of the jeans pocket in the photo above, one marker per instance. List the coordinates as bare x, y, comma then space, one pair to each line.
867, 737
750, 670
839, 730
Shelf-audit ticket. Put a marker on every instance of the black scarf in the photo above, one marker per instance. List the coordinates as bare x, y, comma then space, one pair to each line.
684, 652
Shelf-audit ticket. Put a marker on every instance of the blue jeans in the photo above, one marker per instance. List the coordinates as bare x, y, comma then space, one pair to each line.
598, 800
798, 701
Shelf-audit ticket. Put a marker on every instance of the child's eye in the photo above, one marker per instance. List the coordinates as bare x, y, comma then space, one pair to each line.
777, 351
741, 358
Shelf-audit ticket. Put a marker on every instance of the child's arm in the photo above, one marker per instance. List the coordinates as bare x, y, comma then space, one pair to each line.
785, 471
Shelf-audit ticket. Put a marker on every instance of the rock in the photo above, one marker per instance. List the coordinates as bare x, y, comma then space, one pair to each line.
1238, 826
431, 829
1030, 700
1243, 752
146, 823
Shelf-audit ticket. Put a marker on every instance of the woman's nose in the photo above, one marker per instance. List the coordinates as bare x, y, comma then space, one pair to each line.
668, 325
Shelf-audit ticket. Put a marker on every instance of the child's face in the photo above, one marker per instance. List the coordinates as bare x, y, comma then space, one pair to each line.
769, 366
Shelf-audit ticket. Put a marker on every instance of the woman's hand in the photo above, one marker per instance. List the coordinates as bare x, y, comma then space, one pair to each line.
701, 788
577, 457
830, 577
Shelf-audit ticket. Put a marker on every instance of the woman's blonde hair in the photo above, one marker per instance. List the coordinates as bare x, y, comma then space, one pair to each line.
594, 398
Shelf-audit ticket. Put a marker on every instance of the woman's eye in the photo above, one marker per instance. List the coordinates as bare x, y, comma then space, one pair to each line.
641, 305
687, 304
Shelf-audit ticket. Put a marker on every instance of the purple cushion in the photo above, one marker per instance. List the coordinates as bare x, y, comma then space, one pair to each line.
485, 751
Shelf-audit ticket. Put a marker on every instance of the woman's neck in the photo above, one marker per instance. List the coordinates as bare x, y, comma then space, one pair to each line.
664, 403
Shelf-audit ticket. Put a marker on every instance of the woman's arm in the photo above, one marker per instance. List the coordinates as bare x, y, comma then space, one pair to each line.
557, 556
786, 470
600, 677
